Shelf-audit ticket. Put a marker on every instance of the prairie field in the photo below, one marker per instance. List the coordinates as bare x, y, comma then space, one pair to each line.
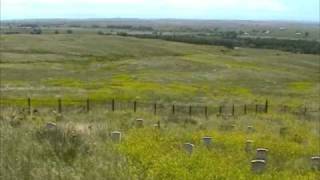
80, 66
75, 67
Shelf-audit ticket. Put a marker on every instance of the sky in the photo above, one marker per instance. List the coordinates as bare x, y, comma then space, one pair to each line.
292, 10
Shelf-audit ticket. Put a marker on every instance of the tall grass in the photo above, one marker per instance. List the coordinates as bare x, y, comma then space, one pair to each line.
81, 147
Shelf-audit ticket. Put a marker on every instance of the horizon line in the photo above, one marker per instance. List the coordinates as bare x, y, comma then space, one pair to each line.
196, 19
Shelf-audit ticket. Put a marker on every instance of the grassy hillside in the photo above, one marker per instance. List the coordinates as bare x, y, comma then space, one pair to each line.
104, 67
81, 146
79, 66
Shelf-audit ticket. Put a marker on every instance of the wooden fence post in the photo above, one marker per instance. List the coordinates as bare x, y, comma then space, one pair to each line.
206, 111
190, 110
155, 108
135, 106
256, 108
29, 105
245, 109
232, 109
220, 110
266, 106
305, 110
88, 105
59, 106
112, 105
173, 109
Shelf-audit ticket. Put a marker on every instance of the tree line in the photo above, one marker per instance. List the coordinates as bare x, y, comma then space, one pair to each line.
230, 40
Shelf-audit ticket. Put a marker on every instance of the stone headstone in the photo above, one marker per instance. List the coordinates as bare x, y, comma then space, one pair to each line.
157, 125
258, 166
139, 123
248, 146
261, 154
315, 162
188, 147
116, 136
51, 126
207, 141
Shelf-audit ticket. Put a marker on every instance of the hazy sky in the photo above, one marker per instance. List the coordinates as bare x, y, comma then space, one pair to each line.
302, 10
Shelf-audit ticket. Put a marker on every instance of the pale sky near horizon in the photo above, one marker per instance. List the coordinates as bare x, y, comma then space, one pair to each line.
292, 10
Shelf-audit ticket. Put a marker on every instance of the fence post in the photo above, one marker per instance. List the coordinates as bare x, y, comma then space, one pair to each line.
29, 105
190, 110
206, 111
112, 105
305, 110
173, 109
256, 108
88, 105
59, 106
266, 106
232, 109
245, 109
155, 108
135, 106
220, 110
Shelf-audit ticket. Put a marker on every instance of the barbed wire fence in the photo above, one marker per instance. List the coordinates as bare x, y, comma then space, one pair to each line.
62, 106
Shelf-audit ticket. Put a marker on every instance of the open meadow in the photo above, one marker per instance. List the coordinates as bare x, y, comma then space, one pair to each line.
81, 66
79, 144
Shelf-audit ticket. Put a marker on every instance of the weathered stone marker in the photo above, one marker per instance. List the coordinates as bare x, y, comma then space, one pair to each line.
139, 123
258, 166
315, 162
51, 126
261, 154
188, 147
207, 141
248, 146
116, 136
157, 125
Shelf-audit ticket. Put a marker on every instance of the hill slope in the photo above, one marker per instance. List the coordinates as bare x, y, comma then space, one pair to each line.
130, 68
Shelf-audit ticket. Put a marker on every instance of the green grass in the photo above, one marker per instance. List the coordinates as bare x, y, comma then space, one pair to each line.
47, 67
128, 68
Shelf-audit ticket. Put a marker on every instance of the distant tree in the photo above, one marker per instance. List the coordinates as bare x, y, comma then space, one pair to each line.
100, 33
122, 34
36, 31
230, 35
296, 46
69, 31
56, 32
306, 34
